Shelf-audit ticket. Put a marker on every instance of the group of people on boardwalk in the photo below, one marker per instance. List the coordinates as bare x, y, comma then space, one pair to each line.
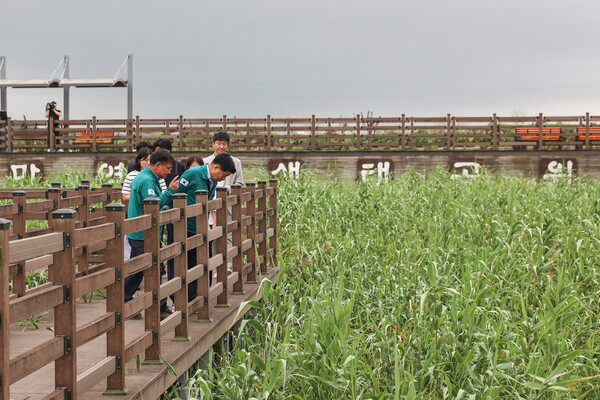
154, 173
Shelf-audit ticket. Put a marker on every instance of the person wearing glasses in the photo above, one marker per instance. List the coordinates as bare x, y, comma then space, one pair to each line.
147, 184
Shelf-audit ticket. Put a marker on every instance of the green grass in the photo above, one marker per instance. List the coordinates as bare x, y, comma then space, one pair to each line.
424, 288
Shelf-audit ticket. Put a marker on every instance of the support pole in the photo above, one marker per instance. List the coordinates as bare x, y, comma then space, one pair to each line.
4, 309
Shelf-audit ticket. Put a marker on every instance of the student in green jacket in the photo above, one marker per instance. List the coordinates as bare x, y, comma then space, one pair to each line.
203, 177
146, 184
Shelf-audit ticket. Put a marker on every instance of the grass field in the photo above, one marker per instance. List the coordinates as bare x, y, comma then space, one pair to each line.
424, 288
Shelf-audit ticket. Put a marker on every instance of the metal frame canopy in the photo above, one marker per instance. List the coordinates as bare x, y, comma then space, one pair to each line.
66, 82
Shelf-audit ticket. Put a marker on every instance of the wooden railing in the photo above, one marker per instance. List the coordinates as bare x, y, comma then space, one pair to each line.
84, 253
292, 134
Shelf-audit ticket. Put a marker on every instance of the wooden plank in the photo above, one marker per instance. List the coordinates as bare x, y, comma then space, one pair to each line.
136, 224
70, 202
170, 251
168, 216
58, 394
137, 346
232, 252
137, 305
95, 281
215, 261
36, 358
94, 234
195, 241
170, 287
8, 210
36, 303
95, 374
194, 210
196, 272
95, 328
39, 206
169, 323
25, 249
247, 245
137, 264
214, 233
231, 200
215, 204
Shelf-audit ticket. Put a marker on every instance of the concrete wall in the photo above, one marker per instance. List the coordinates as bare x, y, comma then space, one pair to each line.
345, 165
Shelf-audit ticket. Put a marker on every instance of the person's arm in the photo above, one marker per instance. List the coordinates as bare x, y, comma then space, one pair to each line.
58, 113
166, 197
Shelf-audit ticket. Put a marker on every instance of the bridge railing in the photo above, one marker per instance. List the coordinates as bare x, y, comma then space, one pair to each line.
83, 253
312, 133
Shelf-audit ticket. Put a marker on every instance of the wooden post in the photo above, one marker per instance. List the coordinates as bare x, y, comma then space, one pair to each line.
587, 131
262, 226
222, 299
4, 311
251, 232
495, 137
181, 142
51, 134
448, 132
236, 215
94, 135
19, 228
203, 255
403, 132
540, 123
357, 132
65, 317
152, 280
138, 139
180, 266
313, 132
54, 195
9, 136
83, 213
115, 301
269, 141
273, 222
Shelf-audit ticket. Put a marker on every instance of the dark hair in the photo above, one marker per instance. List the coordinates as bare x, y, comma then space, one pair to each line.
163, 143
141, 154
161, 156
225, 161
141, 145
191, 159
220, 135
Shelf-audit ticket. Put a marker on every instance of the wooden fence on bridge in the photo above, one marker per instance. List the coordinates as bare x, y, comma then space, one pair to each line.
313, 134
82, 250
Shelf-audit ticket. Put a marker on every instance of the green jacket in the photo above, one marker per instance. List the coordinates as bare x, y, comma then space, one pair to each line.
195, 178
146, 184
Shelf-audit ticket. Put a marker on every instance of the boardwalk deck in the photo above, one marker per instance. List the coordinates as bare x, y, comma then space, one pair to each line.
151, 381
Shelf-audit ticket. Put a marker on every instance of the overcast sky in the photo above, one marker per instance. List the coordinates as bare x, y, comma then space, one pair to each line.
297, 58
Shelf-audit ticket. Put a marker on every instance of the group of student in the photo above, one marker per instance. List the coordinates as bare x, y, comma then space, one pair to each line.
155, 173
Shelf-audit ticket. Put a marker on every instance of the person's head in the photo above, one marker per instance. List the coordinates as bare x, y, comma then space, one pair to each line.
220, 142
221, 167
142, 158
163, 143
161, 162
193, 161
142, 144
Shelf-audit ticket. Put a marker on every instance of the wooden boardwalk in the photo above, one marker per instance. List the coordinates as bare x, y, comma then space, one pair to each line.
151, 381
82, 348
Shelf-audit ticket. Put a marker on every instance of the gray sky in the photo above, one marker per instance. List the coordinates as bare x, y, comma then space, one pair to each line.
297, 58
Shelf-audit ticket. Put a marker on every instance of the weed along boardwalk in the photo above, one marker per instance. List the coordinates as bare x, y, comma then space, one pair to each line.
73, 336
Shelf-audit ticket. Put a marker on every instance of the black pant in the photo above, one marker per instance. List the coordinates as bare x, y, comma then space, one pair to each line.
192, 260
132, 282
